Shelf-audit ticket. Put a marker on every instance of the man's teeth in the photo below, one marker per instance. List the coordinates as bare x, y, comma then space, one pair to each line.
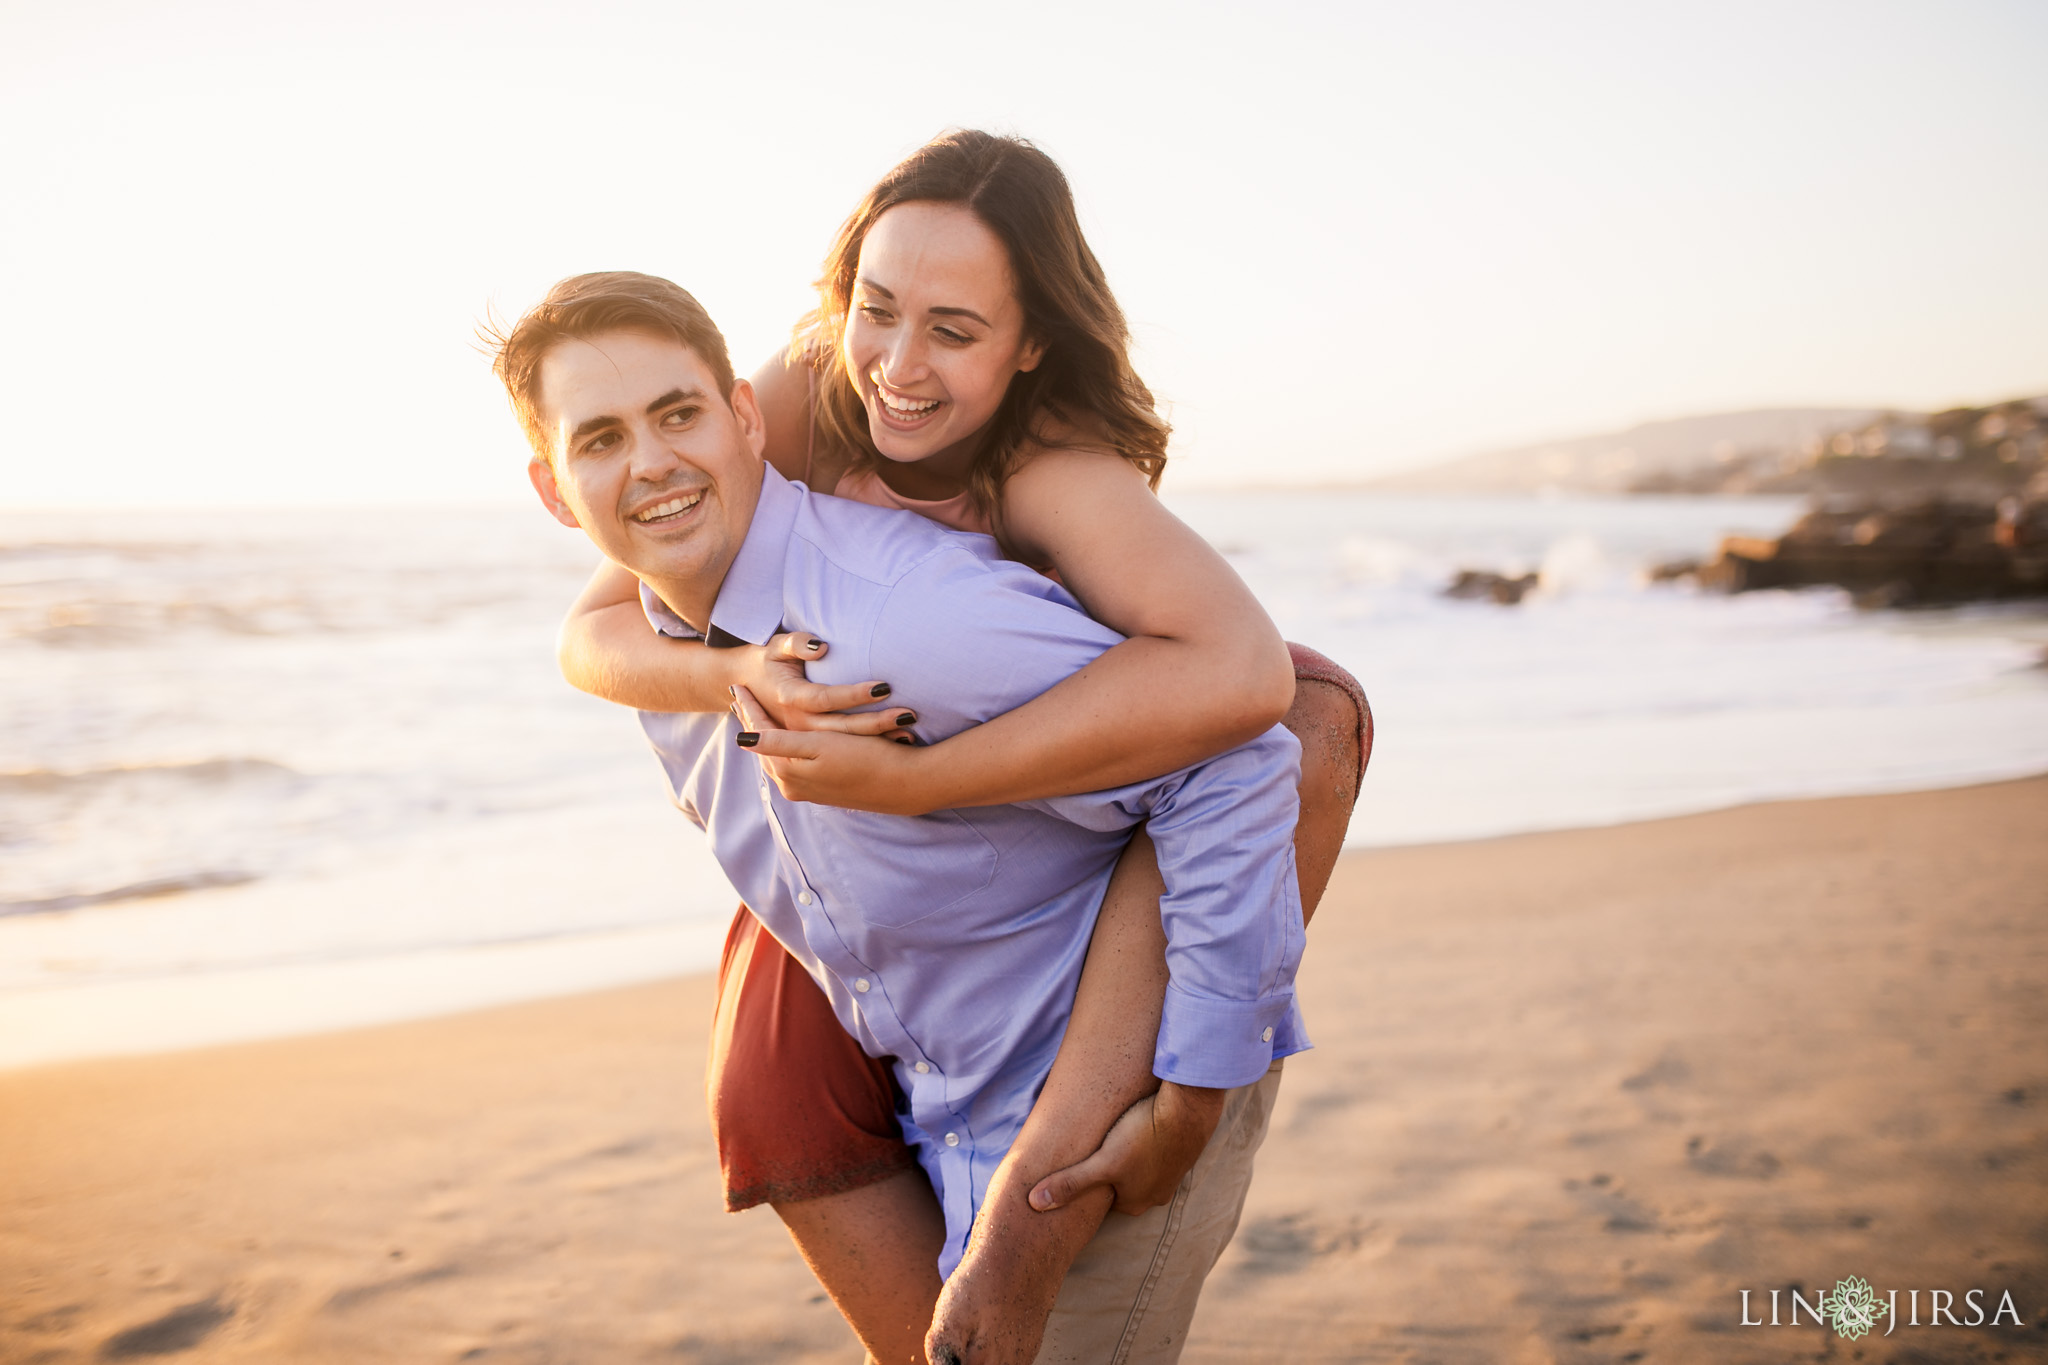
909, 407
670, 508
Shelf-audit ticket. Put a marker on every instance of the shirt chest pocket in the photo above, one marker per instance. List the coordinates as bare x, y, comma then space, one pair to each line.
904, 869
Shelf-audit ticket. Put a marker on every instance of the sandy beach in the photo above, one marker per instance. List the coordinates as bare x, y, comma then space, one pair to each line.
1572, 1093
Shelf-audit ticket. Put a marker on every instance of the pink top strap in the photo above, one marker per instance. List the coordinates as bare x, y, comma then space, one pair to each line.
958, 512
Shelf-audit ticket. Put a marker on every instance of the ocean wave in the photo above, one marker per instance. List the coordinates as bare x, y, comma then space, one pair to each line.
203, 772
44, 551
111, 620
24, 977
67, 584
86, 836
95, 615
134, 891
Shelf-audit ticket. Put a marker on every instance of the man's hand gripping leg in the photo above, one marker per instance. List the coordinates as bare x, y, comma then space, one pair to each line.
994, 1308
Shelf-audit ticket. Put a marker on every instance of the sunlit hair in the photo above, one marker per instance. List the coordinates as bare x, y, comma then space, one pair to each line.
1086, 376
583, 306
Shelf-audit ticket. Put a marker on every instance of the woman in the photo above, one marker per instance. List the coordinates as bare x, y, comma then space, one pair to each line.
968, 362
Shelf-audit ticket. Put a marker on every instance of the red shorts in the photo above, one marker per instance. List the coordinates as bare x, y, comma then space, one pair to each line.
797, 1109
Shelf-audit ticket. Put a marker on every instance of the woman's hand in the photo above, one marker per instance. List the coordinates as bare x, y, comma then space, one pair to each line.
774, 675
836, 767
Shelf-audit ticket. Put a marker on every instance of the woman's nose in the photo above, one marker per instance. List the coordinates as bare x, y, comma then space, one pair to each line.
903, 359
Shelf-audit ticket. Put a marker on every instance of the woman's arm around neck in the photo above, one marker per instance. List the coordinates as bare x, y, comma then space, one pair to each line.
1203, 670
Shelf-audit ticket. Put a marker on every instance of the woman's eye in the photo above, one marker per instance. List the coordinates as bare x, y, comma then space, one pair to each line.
958, 338
873, 314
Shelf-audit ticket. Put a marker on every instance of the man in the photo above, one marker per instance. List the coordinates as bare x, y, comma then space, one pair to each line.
949, 943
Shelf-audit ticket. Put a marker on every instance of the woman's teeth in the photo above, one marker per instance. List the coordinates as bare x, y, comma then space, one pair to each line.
669, 508
906, 407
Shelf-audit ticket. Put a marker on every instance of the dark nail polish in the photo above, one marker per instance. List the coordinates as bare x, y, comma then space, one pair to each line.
749, 738
905, 739
907, 718
814, 643
879, 690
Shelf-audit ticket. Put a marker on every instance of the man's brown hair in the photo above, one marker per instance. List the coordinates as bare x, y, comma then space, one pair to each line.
584, 306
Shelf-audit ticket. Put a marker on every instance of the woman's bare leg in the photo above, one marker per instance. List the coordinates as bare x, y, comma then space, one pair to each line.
1001, 1295
1325, 720
876, 1251
1105, 1061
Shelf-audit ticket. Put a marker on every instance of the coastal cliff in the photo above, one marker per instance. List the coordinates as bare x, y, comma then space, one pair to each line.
1977, 454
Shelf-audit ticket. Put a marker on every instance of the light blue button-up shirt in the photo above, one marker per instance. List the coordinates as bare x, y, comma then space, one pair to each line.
951, 943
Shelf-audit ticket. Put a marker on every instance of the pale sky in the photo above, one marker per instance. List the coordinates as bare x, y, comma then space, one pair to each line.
243, 246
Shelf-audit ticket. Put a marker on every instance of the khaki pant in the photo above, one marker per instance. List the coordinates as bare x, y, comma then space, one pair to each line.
1132, 1291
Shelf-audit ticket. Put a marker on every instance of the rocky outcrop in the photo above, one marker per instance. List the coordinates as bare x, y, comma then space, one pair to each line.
1486, 586
1921, 554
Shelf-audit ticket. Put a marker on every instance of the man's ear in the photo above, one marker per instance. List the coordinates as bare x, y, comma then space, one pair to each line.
543, 475
748, 409
1034, 351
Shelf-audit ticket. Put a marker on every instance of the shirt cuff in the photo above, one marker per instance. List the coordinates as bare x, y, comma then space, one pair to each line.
1222, 1044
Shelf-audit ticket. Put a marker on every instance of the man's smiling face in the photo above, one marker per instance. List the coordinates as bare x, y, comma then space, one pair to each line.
650, 460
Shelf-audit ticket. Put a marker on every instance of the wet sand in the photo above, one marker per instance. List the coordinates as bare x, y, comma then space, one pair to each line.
1572, 1093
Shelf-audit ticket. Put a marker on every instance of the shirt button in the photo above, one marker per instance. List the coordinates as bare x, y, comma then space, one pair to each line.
803, 898
952, 1139
1267, 1036
922, 1068
861, 985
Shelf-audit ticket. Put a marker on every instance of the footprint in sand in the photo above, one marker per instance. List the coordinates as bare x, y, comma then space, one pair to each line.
1289, 1242
178, 1330
698, 1350
1668, 1069
1603, 1197
1731, 1156
355, 1295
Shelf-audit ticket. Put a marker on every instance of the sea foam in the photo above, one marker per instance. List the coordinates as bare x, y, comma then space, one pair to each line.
262, 774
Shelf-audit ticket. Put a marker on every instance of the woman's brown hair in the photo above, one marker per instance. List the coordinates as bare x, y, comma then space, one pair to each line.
1086, 377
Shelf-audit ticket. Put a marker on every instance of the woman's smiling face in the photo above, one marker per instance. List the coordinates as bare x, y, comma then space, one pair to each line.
934, 334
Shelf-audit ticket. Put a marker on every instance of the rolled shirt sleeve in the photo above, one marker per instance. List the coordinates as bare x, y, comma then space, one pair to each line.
1224, 833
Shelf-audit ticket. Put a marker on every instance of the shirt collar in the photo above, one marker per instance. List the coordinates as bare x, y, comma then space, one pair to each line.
749, 604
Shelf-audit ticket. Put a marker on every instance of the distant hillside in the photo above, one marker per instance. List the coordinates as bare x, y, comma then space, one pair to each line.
1678, 455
